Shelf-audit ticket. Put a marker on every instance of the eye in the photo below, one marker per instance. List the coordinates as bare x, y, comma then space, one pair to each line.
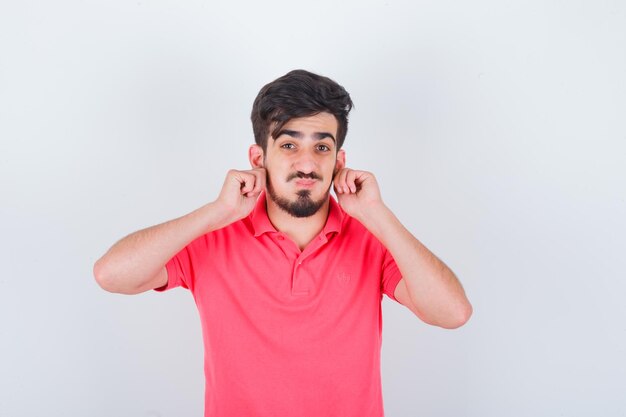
323, 148
288, 145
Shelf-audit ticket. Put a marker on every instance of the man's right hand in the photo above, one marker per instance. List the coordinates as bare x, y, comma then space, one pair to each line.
239, 193
137, 262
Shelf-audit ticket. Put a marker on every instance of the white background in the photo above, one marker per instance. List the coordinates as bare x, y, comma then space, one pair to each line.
496, 130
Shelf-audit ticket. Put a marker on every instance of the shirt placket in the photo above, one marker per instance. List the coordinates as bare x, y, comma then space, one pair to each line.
302, 282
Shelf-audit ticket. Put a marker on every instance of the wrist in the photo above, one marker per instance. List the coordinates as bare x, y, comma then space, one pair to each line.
216, 215
373, 214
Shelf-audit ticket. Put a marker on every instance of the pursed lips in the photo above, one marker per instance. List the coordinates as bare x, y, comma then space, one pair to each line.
305, 182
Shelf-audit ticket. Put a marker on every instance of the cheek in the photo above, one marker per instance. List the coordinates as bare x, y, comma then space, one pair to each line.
273, 174
336, 168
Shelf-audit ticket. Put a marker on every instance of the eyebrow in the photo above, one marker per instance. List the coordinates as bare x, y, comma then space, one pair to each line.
299, 135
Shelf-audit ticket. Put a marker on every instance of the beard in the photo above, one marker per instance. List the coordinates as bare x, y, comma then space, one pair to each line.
303, 206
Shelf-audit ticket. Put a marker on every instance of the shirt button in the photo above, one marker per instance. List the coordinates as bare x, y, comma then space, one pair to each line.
279, 237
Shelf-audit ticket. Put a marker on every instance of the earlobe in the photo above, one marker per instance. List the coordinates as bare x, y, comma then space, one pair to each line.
255, 155
341, 160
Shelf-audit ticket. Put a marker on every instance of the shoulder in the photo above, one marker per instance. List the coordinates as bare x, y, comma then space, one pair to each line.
352, 228
354, 234
233, 232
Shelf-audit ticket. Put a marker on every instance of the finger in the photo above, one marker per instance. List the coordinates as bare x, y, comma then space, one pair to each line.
346, 181
259, 182
340, 181
247, 181
351, 180
234, 179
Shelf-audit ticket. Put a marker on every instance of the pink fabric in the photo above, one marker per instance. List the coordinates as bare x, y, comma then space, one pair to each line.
289, 333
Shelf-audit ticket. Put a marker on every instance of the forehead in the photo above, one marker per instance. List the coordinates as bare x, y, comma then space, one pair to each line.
321, 122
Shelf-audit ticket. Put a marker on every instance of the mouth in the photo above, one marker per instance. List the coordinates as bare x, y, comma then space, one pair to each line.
307, 183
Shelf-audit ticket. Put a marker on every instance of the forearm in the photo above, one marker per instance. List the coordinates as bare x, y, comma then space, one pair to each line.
435, 291
139, 257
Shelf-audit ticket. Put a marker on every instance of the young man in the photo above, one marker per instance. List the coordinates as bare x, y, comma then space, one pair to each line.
288, 281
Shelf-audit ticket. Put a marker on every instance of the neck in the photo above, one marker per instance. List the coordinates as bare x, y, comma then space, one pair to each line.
302, 230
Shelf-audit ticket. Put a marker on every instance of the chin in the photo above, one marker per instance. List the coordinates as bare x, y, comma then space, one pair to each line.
300, 207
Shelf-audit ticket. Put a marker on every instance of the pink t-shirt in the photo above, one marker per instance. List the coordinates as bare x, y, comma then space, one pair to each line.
289, 333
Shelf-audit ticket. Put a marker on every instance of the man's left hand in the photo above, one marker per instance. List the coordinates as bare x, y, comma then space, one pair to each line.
357, 192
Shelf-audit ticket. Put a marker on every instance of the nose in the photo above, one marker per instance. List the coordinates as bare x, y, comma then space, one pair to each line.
305, 162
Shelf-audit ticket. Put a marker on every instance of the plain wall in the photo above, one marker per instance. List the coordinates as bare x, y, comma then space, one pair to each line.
496, 131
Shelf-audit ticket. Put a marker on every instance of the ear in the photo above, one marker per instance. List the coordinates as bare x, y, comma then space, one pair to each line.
255, 155
340, 163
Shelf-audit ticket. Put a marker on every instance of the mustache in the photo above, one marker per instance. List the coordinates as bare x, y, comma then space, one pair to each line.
310, 175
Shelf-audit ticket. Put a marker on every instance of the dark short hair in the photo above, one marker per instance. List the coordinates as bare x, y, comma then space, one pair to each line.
299, 93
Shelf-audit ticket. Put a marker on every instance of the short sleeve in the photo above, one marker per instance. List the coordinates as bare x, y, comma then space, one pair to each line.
183, 267
391, 275
174, 273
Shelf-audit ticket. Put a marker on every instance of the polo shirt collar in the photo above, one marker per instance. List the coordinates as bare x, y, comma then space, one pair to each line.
262, 224
335, 217
260, 221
